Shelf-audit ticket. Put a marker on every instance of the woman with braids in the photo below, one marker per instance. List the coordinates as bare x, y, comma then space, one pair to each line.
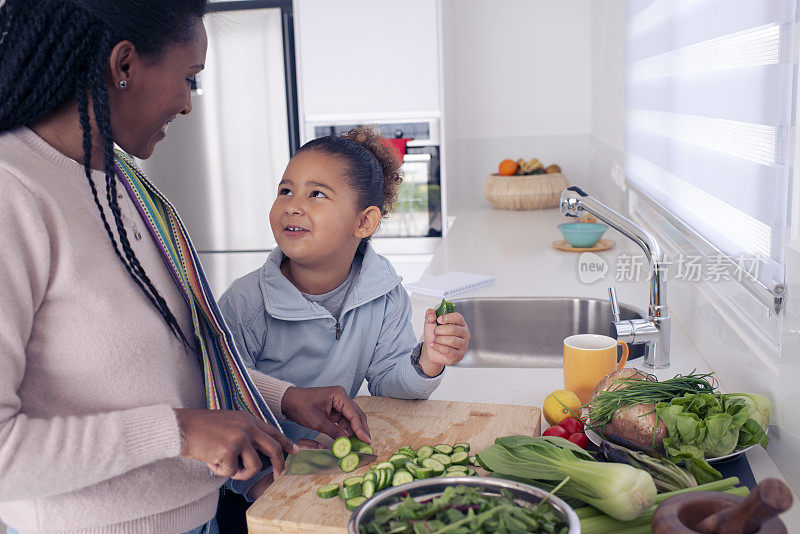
124, 405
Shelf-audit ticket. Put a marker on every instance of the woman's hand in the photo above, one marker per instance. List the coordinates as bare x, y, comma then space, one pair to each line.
228, 441
329, 410
446, 341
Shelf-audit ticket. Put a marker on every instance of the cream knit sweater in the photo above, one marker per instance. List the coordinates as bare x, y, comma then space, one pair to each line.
89, 371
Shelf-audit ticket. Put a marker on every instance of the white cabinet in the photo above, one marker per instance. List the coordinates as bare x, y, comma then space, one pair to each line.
367, 58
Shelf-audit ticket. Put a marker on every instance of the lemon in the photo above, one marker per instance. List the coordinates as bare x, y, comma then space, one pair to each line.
560, 404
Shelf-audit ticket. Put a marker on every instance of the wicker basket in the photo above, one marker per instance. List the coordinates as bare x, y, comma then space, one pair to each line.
524, 192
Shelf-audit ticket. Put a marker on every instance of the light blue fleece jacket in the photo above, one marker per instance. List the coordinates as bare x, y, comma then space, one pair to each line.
281, 333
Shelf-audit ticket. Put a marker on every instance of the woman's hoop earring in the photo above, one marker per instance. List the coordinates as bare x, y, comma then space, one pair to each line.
123, 84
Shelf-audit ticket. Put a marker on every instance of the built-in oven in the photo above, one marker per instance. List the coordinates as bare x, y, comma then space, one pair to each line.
418, 211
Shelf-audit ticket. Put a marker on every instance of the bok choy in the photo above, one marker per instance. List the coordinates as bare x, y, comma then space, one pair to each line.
619, 490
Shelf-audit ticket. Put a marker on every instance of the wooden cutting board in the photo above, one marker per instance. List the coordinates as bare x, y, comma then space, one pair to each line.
291, 503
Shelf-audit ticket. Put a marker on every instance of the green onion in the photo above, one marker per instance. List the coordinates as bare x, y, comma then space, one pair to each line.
637, 391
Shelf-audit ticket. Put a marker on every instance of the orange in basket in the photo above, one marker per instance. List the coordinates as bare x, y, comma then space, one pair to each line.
508, 167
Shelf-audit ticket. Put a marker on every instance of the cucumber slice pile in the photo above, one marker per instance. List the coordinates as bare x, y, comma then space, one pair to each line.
404, 466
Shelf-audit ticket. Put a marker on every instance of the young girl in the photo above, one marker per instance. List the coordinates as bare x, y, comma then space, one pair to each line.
325, 308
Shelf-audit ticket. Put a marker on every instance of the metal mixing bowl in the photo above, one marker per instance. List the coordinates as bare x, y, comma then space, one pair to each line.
433, 487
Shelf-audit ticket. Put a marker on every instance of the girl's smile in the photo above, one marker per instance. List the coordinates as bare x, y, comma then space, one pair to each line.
315, 215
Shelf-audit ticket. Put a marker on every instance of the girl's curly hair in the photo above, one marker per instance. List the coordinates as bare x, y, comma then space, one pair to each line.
374, 167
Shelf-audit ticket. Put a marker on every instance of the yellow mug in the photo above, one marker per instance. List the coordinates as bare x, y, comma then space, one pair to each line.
587, 359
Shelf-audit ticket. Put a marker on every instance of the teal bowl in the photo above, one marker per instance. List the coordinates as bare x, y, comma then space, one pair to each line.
582, 235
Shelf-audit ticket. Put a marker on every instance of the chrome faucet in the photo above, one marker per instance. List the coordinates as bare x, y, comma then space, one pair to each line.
654, 330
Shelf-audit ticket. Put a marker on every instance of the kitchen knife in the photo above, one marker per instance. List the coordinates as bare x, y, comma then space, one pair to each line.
313, 461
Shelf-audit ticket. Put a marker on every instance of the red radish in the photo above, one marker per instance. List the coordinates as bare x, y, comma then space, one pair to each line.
579, 439
556, 431
572, 425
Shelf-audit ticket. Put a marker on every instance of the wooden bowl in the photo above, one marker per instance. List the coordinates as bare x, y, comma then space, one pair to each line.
682, 513
524, 192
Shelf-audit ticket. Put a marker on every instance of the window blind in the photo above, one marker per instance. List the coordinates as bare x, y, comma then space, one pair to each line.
710, 119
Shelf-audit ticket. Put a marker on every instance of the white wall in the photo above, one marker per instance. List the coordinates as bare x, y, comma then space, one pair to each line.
607, 100
517, 83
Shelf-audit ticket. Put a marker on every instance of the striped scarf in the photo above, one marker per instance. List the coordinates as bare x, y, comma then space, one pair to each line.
228, 385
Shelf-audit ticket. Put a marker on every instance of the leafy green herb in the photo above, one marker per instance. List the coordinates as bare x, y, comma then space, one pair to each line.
461, 510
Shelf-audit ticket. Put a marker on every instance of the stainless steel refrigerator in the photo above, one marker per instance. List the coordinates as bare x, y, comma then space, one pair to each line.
221, 163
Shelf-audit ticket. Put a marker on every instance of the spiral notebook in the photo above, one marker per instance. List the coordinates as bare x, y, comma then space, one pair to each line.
450, 284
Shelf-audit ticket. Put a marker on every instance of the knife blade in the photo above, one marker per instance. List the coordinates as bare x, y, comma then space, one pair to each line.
313, 461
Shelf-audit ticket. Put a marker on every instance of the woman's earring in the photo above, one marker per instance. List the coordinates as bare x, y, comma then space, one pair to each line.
123, 84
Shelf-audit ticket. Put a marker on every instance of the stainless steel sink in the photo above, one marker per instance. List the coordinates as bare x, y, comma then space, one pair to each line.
528, 332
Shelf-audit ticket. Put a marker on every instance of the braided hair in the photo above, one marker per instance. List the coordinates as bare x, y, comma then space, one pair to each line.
55, 51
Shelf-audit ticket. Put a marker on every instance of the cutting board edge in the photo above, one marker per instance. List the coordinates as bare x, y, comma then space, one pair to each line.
259, 525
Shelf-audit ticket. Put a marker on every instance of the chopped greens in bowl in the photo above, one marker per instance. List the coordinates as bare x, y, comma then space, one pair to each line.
464, 505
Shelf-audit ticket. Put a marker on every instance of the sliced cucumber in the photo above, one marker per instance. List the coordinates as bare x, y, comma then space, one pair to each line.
328, 491
368, 489
402, 477
348, 492
353, 480
384, 465
349, 462
425, 452
386, 477
352, 504
341, 447
471, 472
442, 458
424, 472
366, 449
432, 463
398, 460
473, 460
412, 468
456, 469
380, 479
444, 449
464, 446
358, 446
408, 451
460, 458
369, 476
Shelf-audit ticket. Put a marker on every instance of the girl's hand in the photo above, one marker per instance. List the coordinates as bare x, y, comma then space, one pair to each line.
446, 341
327, 409
227, 442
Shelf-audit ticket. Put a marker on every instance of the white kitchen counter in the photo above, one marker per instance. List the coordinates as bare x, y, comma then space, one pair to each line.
516, 247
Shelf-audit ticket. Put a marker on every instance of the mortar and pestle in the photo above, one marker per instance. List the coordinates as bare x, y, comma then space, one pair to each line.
710, 512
